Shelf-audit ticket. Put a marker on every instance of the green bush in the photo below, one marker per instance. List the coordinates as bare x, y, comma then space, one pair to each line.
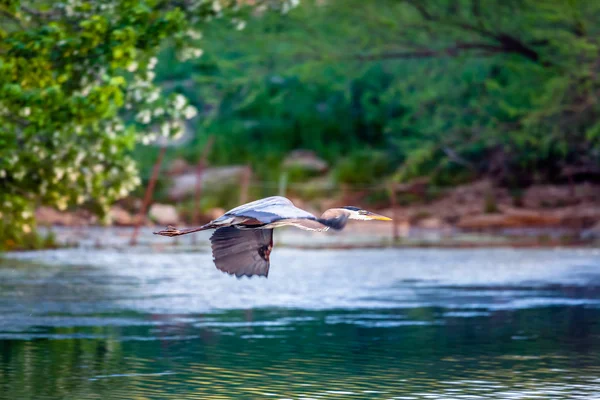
367, 167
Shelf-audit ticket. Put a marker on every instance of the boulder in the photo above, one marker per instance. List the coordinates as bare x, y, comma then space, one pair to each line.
552, 196
305, 160
513, 219
164, 214
119, 216
50, 216
215, 213
433, 223
591, 233
178, 167
185, 184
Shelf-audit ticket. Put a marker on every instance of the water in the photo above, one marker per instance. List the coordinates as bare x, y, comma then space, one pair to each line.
346, 324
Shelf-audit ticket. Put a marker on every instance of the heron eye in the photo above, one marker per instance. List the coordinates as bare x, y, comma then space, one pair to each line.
362, 212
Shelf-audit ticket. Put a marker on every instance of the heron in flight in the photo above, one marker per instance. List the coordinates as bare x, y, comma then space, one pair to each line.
243, 239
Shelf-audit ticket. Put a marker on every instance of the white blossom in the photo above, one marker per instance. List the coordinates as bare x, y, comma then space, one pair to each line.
144, 116
189, 53
73, 175
165, 129
79, 158
86, 90
61, 204
132, 67
179, 102
194, 34
190, 112
153, 96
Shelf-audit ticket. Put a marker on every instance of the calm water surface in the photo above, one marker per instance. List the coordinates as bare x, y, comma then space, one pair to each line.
354, 324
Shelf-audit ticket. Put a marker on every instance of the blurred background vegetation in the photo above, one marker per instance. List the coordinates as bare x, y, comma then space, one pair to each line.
448, 89
381, 90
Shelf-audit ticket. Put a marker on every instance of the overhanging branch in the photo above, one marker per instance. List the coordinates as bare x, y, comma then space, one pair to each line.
452, 51
505, 42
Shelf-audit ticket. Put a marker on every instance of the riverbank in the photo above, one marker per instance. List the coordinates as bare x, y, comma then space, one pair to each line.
478, 214
356, 235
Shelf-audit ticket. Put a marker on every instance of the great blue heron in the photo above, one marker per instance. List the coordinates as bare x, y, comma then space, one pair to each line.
243, 239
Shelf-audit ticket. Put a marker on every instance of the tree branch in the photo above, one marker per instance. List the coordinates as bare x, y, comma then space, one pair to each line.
453, 156
418, 5
426, 53
12, 17
507, 43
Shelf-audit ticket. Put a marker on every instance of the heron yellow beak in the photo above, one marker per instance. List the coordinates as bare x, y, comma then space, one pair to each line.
378, 217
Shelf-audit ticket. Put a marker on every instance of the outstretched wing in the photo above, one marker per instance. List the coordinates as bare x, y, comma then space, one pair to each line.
271, 209
242, 252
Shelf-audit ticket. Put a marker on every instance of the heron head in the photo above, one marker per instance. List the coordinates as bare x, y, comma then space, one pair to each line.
363, 215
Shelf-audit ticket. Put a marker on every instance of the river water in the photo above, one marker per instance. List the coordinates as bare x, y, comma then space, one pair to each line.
147, 323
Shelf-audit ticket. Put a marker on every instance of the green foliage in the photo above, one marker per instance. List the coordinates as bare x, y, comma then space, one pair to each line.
362, 168
451, 89
77, 92
25, 239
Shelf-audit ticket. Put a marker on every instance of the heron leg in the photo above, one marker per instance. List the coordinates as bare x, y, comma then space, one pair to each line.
172, 231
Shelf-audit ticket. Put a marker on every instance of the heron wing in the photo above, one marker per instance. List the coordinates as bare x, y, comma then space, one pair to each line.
242, 252
270, 209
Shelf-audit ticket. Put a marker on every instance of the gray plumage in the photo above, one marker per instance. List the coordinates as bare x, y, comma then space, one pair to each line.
242, 252
268, 211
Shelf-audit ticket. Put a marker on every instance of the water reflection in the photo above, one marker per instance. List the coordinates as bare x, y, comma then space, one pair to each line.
150, 327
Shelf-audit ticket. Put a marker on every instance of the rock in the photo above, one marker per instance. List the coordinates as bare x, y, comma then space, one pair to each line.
580, 216
591, 233
550, 196
403, 227
164, 214
215, 213
119, 216
178, 167
50, 216
416, 186
514, 219
306, 160
433, 223
185, 184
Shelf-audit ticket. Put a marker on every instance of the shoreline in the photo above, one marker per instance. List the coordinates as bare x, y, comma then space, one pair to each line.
376, 237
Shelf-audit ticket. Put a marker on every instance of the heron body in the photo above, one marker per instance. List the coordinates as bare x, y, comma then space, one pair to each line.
243, 239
